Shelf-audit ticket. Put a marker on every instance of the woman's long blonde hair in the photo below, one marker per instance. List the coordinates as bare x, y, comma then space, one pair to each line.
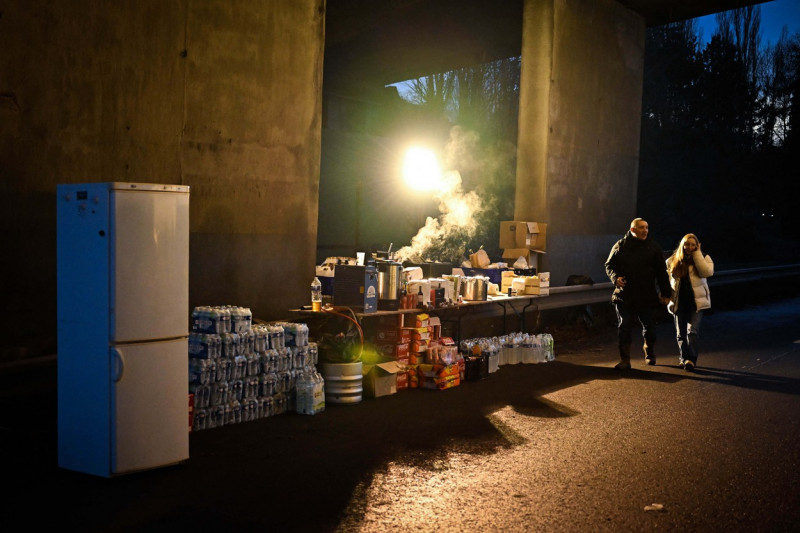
678, 263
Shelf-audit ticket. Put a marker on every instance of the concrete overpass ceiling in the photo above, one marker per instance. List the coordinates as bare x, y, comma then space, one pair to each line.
371, 43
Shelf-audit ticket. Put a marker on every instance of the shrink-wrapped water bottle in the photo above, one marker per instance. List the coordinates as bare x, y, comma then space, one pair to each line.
526, 350
319, 392
276, 336
253, 366
239, 367
270, 361
313, 352
260, 339
301, 401
267, 383
202, 395
217, 417
248, 410
550, 353
492, 357
266, 406
223, 319
199, 421
219, 393
300, 356
278, 404
284, 357
236, 391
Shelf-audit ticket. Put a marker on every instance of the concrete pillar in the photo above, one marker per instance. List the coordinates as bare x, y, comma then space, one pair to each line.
579, 122
221, 95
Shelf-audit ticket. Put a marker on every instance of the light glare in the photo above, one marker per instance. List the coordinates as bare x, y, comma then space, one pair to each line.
421, 170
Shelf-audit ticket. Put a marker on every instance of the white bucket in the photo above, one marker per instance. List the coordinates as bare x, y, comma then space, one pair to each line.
343, 382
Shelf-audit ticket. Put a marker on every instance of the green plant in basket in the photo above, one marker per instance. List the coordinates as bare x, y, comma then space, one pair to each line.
341, 347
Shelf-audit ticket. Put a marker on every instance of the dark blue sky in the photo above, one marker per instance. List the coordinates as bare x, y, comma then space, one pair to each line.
774, 15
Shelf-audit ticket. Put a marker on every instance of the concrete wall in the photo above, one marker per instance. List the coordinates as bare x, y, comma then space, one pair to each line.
579, 122
223, 96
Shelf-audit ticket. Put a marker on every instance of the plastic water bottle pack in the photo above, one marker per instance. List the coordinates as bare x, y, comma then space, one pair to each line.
241, 372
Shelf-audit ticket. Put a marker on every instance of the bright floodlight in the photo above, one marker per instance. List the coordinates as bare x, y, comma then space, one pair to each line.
421, 170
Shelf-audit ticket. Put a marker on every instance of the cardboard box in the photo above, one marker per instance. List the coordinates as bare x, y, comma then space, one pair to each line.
380, 379
402, 380
510, 256
435, 326
438, 376
425, 286
537, 291
534, 283
415, 334
517, 234
529, 285
395, 351
517, 285
393, 335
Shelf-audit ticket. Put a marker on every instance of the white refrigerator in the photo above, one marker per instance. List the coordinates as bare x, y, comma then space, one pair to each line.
123, 326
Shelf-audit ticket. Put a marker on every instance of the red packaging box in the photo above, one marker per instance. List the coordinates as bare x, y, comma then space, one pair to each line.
394, 335
395, 351
402, 380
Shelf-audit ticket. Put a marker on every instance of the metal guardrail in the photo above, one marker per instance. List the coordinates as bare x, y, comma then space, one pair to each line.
601, 292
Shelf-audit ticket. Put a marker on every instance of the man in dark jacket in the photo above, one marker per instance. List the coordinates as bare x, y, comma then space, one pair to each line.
635, 265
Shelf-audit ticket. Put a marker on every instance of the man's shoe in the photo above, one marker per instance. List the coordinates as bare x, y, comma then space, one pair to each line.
650, 360
623, 365
688, 366
681, 363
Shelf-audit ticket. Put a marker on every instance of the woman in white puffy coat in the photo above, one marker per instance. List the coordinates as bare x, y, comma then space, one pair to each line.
688, 270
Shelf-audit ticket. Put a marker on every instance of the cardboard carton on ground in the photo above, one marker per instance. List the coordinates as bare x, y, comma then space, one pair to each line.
518, 234
380, 379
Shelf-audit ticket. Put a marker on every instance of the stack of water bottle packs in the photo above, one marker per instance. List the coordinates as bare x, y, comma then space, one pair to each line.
240, 372
512, 349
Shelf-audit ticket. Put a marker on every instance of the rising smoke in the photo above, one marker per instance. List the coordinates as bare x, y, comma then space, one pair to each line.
445, 238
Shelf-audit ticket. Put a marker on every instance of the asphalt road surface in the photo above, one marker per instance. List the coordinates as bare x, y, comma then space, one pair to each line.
571, 445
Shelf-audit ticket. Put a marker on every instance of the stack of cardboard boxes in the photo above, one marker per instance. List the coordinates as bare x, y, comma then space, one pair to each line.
523, 239
416, 356
527, 240
538, 285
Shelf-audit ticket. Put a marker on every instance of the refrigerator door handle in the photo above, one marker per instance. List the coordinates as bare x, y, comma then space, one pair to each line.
117, 365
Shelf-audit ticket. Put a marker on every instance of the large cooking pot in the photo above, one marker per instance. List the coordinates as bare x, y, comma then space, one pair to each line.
474, 288
390, 276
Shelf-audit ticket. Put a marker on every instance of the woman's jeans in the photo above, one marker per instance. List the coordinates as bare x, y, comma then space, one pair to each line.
687, 329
